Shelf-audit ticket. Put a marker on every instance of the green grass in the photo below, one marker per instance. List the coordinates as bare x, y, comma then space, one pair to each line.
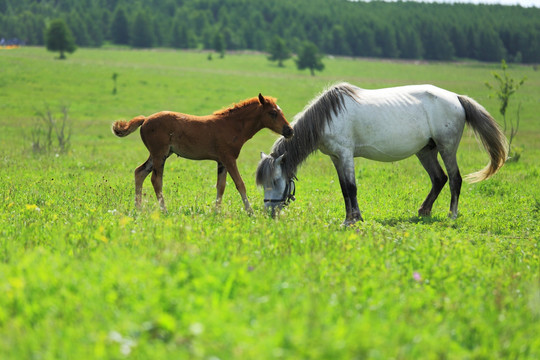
85, 276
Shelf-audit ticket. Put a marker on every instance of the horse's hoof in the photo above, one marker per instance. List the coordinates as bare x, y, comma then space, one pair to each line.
353, 219
452, 216
351, 222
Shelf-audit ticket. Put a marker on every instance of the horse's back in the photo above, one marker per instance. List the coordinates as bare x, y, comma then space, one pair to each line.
410, 98
394, 123
170, 121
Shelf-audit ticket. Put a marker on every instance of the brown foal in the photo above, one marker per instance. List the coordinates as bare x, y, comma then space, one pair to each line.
217, 137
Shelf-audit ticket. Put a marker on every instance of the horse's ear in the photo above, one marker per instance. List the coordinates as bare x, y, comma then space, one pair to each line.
261, 99
280, 158
263, 155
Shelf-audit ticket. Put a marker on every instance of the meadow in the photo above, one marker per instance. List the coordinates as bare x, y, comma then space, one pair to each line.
83, 275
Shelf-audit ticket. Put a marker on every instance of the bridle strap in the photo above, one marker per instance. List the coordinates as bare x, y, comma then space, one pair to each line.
288, 194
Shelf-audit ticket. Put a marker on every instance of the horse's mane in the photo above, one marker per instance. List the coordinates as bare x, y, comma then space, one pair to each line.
243, 105
308, 128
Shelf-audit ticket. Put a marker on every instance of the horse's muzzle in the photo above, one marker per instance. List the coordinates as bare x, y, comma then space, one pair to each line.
273, 209
287, 131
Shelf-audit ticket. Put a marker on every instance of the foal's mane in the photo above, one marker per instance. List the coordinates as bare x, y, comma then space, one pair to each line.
308, 128
243, 105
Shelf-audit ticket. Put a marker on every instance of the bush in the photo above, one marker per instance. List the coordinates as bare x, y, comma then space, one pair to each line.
47, 128
507, 87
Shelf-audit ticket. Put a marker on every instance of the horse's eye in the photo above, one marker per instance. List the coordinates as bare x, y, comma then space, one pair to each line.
273, 113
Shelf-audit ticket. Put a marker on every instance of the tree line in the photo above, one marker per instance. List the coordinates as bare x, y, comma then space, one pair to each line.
405, 30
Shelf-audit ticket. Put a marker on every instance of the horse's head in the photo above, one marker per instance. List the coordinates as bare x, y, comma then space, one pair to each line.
278, 189
272, 117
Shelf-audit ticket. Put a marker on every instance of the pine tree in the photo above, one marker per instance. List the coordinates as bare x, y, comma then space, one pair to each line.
410, 44
491, 46
436, 41
181, 37
219, 43
338, 38
142, 35
78, 29
120, 27
386, 39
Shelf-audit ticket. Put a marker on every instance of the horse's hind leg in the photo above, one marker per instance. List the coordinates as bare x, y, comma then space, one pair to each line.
450, 162
428, 159
157, 178
140, 174
221, 182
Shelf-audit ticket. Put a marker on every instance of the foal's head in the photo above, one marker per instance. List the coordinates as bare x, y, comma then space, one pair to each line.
272, 117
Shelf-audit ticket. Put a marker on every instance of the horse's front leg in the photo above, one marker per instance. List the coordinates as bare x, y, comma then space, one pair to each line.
232, 169
221, 183
345, 169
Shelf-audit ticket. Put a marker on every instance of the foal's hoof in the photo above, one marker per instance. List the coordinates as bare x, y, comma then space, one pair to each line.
452, 216
424, 212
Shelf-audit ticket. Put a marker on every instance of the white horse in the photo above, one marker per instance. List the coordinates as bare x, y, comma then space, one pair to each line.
383, 125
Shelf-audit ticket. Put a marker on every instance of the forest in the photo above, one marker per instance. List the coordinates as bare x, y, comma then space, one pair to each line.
404, 30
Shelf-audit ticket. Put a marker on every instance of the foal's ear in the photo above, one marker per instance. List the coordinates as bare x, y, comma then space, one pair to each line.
261, 99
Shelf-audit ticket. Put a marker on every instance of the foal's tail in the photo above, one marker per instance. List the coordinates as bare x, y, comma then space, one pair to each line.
124, 128
490, 134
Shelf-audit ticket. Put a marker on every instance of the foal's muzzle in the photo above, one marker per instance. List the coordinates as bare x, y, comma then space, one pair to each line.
287, 131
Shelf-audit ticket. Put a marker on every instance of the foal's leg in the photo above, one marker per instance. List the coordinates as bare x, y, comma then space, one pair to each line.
221, 182
450, 162
140, 174
428, 159
345, 169
157, 178
230, 165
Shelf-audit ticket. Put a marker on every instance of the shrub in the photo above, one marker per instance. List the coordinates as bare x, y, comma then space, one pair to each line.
48, 127
507, 87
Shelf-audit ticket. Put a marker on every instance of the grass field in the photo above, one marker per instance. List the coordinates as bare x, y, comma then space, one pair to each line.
85, 276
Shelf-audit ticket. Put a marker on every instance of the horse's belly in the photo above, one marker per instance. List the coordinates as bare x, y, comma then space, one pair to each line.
190, 156
385, 153
389, 143
191, 153
396, 137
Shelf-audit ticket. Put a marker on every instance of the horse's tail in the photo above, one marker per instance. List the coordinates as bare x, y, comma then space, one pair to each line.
123, 128
491, 135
